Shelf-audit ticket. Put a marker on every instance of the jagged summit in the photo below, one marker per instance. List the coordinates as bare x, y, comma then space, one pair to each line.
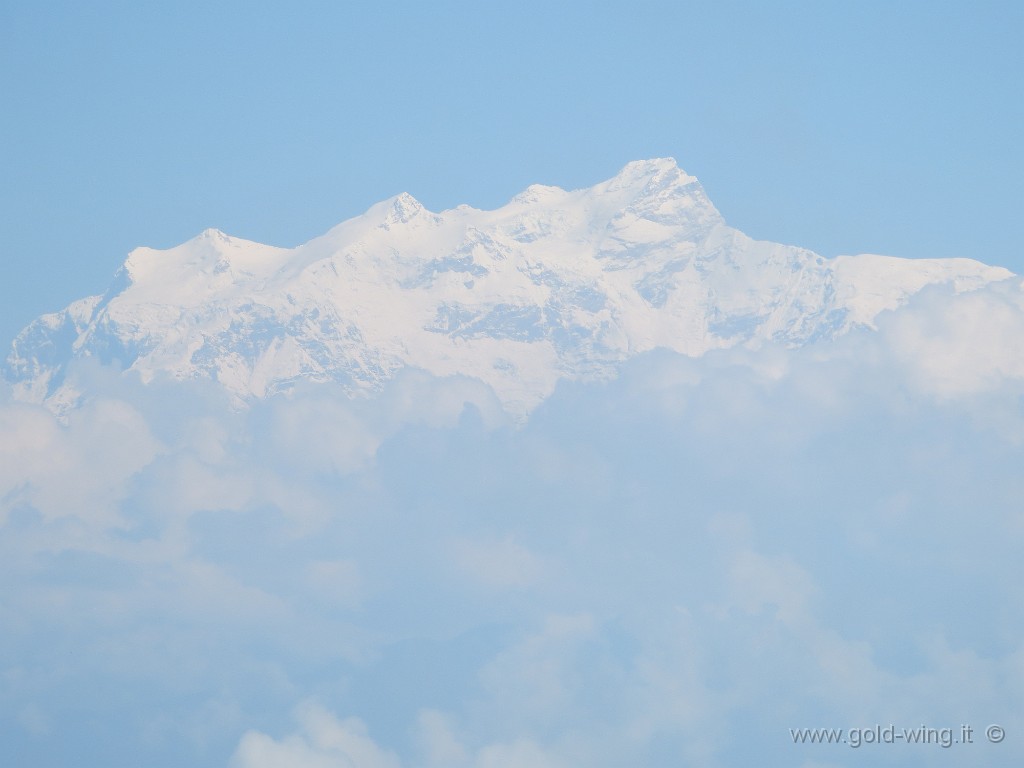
536, 193
655, 170
400, 209
554, 284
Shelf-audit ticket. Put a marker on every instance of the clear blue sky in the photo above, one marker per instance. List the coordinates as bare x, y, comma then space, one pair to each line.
842, 127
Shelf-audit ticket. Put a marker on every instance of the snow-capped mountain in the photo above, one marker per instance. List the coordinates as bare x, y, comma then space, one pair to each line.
554, 284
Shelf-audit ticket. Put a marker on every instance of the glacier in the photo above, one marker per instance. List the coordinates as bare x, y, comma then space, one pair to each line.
554, 285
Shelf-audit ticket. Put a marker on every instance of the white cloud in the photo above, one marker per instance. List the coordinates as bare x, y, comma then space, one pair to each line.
437, 743
954, 346
322, 741
534, 678
81, 469
672, 567
775, 584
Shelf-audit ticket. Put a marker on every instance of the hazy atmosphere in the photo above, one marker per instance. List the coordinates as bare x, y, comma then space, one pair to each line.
483, 386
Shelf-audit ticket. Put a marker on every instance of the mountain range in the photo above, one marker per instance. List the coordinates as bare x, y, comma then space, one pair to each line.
555, 284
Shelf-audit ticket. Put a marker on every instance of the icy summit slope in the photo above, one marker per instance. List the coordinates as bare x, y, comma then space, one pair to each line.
554, 284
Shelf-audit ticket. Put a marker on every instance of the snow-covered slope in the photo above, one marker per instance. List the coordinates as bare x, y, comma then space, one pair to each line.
554, 284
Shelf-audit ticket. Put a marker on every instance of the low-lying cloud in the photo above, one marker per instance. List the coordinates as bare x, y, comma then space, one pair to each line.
675, 567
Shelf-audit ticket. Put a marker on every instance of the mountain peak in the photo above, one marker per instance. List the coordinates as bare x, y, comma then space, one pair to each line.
554, 285
403, 208
659, 170
648, 178
651, 165
538, 193
212, 234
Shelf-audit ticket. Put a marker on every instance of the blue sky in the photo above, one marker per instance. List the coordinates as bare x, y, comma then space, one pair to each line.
868, 127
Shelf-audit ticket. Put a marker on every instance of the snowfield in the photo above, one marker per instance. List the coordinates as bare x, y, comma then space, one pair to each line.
554, 285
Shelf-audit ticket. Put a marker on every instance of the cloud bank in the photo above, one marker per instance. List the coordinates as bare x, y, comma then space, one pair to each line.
674, 567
